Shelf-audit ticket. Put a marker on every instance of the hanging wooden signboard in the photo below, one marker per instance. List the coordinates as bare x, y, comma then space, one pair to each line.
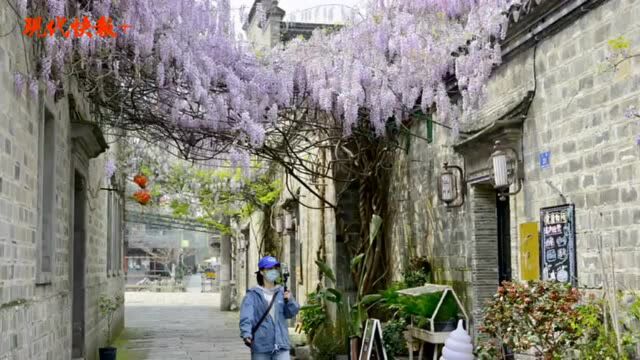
558, 244
372, 345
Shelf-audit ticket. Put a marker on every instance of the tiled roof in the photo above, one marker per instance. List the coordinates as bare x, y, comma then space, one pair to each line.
532, 20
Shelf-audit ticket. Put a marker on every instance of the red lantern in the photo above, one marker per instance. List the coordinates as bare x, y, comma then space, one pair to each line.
142, 197
141, 180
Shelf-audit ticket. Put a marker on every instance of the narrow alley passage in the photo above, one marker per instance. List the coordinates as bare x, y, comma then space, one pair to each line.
179, 326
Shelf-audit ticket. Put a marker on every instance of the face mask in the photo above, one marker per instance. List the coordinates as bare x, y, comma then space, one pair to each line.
272, 275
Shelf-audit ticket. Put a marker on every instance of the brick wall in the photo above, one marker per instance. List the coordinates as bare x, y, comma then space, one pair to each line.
35, 320
577, 115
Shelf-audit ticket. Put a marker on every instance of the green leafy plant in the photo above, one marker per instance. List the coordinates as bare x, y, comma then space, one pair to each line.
108, 306
554, 321
448, 310
597, 339
418, 272
312, 316
327, 343
598, 336
393, 336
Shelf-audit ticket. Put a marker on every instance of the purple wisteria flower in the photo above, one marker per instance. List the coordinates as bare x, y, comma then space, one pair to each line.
631, 112
18, 83
110, 168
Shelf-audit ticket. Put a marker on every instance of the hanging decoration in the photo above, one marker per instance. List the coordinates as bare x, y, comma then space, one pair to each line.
143, 197
141, 180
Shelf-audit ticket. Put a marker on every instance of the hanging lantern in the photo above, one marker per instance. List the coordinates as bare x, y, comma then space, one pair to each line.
279, 224
500, 170
288, 220
503, 174
141, 180
142, 196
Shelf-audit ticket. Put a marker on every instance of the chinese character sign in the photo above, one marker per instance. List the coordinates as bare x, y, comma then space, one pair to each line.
78, 27
558, 244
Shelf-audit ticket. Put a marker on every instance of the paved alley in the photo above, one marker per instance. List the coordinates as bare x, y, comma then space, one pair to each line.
179, 326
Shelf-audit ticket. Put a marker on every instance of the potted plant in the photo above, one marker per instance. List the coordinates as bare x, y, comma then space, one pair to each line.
108, 306
447, 317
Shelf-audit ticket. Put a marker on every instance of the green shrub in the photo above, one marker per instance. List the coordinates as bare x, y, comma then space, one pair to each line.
328, 343
394, 341
597, 335
417, 273
537, 317
551, 320
312, 315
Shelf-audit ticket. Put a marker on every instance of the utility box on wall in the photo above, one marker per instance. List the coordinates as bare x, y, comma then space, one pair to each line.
529, 251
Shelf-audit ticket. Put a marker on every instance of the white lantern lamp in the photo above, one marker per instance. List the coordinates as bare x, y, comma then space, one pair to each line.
279, 224
503, 175
288, 221
448, 191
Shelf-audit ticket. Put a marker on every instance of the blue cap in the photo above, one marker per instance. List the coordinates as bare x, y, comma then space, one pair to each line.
268, 262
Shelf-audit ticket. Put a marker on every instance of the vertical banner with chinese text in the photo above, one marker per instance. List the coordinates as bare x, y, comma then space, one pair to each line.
558, 244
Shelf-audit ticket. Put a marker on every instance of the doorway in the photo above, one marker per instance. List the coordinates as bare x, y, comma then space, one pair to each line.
78, 266
504, 239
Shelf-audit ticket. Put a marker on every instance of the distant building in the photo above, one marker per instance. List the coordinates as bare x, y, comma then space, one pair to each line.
265, 26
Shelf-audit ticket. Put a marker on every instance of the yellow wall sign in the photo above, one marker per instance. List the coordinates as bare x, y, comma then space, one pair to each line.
529, 251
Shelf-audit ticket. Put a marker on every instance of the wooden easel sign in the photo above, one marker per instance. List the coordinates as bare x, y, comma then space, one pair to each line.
372, 344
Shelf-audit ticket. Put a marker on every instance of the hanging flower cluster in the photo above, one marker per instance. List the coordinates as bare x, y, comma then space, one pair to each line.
404, 53
179, 74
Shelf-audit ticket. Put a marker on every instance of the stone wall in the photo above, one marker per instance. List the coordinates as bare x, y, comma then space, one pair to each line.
577, 115
35, 320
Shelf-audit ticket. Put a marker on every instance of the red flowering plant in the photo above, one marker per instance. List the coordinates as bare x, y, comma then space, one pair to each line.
535, 318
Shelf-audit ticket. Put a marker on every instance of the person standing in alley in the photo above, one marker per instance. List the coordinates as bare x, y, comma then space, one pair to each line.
264, 313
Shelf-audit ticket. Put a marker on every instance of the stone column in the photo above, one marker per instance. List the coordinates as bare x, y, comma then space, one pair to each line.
225, 269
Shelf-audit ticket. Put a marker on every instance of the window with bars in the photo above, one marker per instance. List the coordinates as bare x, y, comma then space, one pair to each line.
46, 197
114, 233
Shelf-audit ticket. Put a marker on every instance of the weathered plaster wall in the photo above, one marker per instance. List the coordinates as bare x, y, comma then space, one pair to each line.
315, 228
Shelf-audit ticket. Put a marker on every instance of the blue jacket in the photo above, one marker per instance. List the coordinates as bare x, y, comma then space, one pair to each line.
272, 335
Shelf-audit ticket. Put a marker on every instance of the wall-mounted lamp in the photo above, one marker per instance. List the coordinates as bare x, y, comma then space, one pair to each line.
504, 163
448, 191
279, 224
288, 221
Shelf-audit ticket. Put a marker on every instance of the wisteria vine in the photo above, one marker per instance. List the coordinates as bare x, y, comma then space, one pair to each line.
180, 75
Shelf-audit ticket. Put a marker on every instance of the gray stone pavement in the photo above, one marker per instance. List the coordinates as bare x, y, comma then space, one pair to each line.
179, 326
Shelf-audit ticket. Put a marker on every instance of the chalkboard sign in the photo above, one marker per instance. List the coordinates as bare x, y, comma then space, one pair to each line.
558, 244
372, 345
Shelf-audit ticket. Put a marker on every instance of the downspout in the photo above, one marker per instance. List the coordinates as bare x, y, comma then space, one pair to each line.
323, 231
